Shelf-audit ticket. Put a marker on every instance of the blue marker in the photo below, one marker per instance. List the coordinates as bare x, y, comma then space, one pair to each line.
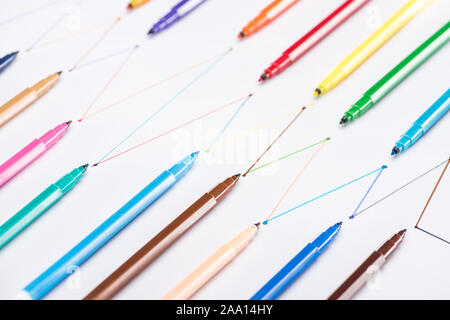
179, 11
6, 60
108, 229
290, 272
423, 124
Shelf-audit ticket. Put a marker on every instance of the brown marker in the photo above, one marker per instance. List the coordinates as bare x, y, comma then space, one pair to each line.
27, 97
365, 271
163, 240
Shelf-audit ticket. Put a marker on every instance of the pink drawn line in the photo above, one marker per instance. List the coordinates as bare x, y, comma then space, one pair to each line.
108, 83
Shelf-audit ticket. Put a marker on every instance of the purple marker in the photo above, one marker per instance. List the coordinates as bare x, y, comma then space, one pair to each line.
182, 9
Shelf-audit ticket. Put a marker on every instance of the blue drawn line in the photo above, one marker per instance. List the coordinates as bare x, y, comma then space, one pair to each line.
165, 105
229, 122
367, 193
323, 195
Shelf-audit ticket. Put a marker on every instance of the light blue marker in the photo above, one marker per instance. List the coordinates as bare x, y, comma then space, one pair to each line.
108, 229
423, 124
290, 272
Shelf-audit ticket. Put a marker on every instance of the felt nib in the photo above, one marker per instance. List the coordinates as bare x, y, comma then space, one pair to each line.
317, 92
344, 120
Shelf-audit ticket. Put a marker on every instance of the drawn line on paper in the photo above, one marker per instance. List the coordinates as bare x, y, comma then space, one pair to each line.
175, 129
71, 35
293, 183
289, 155
229, 122
401, 188
30, 12
367, 193
102, 91
166, 104
153, 85
96, 43
276, 139
433, 192
322, 195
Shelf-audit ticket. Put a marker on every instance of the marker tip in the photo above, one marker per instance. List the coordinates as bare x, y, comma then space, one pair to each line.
262, 77
317, 92
395, 151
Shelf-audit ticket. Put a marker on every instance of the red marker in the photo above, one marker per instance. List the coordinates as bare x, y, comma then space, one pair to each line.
309, 40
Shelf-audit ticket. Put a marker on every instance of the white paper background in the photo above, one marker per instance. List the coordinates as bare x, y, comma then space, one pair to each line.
419, 269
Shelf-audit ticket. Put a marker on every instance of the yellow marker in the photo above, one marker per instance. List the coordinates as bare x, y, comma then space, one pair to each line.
26, 98
371, 44
136, 3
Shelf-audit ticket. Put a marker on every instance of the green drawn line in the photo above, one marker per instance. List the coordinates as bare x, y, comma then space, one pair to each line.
290, 154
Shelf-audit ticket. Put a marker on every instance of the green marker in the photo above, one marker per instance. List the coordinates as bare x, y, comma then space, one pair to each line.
39, 205
398, 74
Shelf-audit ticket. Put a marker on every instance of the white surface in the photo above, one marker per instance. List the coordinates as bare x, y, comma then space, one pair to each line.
419, 269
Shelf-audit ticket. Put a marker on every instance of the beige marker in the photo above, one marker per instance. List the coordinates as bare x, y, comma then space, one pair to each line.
27, 97
211, 266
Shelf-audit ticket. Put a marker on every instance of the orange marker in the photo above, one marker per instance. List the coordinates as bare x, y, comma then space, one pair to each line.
270, 13
136, 3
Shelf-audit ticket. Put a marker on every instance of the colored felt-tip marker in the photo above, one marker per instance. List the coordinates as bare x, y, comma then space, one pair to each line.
162, 241
179, 11
398, 74
368, 268
294, 268
266, 16
313, 37
39, 205
7, 60
213, 265
425, 122
60, 270
31, 152
26, 98
136, 3
375, 41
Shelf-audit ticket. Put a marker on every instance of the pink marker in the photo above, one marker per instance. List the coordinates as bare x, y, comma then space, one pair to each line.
31, 152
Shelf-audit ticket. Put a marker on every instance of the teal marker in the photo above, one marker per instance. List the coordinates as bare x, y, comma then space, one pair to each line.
39, 205
424, 123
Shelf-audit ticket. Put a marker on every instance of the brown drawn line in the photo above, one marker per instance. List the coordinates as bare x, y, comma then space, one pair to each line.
270, 146
432, 193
